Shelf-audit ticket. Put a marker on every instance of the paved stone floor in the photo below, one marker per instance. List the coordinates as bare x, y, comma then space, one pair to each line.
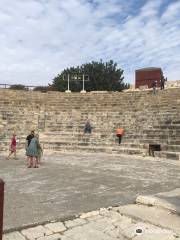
119, 223
68, 184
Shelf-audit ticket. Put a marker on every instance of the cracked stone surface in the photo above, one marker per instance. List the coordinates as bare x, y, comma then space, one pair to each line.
106, 225
69, 184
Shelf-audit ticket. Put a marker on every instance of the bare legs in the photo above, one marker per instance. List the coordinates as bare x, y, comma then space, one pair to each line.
33, 162
36, 162
30, 161
12, 152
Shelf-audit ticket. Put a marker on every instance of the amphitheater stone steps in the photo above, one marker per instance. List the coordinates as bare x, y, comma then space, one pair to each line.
147, 119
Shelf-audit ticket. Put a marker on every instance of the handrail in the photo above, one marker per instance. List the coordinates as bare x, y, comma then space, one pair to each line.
25, 87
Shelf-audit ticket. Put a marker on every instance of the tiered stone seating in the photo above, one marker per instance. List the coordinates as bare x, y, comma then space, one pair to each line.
60, 117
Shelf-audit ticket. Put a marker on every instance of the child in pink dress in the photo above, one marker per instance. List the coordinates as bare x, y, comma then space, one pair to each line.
12, 148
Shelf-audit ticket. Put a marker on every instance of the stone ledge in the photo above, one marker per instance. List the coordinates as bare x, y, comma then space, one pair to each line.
168, 200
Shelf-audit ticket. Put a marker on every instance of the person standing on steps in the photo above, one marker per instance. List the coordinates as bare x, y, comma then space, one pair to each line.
12, 147
162, 82
87, 127
154, 85
119, 134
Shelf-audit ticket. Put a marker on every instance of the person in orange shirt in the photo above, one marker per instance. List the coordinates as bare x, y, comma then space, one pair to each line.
119, 133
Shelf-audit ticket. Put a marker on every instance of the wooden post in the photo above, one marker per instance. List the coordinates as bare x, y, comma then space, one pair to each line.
1, 207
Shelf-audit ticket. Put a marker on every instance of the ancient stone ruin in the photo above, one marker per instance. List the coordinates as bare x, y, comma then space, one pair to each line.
59, 118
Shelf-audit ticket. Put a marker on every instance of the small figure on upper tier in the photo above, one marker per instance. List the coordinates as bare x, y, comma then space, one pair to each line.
162, 82
87, 127
154, 85
119, 133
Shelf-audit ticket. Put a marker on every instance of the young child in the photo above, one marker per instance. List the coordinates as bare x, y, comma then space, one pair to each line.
12, 147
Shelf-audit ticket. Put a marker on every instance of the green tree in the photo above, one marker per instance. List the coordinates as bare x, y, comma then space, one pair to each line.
102, 77
18, 87
42, 88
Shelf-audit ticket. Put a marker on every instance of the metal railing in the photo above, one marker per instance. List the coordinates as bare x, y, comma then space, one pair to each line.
6, 86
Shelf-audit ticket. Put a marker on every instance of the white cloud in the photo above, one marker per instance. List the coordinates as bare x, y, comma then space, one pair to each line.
172, 12
39, 38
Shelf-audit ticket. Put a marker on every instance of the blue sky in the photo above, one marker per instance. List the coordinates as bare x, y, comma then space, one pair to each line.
39, 38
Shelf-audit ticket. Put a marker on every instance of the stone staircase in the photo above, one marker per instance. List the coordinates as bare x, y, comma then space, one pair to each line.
60, 117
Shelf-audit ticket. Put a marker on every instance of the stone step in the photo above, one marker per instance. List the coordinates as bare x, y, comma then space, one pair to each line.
153, 215
166, 200
171, 148
126, 105
168, 154
146, 119
151, 141
90, 148
147, 138
91, 141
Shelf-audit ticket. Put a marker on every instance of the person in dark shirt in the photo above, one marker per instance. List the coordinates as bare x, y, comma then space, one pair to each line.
87, 127
29, 137
162, 82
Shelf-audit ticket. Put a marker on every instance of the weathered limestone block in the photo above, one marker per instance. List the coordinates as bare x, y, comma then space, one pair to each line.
75, 222
51, 237
36, 232
13, 236
85, 232
155, 201
89, 214
56, 227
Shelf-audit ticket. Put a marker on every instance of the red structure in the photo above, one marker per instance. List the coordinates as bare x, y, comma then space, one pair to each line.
146, 76
1, 207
